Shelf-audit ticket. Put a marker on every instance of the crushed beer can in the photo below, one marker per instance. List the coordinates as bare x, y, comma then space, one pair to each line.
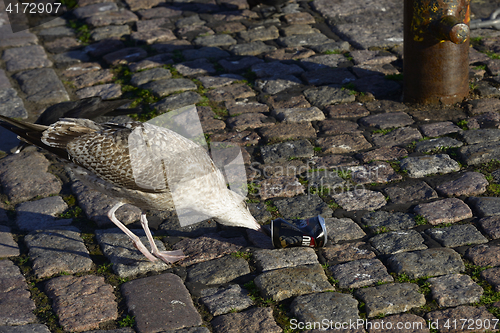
306, 232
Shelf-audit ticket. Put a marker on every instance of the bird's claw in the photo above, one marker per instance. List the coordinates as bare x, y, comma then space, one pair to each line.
170, 257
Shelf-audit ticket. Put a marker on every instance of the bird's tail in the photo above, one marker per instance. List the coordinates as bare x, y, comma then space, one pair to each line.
31, 133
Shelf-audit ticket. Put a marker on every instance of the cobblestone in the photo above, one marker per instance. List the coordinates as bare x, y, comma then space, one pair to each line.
430, 262
167, 86
267, 260
350, 110
208, 247
105, 91
444, 211
343, 229
29, 328
343, 143
313, 95
331, 306
151, 62
41, 214
491, 225
195, 67
303, 206
15, 303
287, 282
481, 135
484, 255
57, 251
91, 78
217, 271
82, 303
326, 95
8, 247
485, 206
151, 75
284, 151
360, 200
333, 127
26, 57
398, 137
69, 58
438, 129
11, 105
224, 300
104, 47
24, 176
457, 235
347, 252
479, 153
374, 172
470, 183
51, 34
382, 154
248, 121
428, 146
454, 289
42, 86
231, 92
398, 241
426, 165
390, 298
334, 161
177, 101
323, 61
387, 120
253, 320
384, 221
20, 38
160, 301
360, 273
492, 276
276, 84
110, 32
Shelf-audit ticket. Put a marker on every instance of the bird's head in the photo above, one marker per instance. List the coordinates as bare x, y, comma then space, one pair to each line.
235, 212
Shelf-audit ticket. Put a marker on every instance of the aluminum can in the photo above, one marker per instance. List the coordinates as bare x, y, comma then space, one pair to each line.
309, 232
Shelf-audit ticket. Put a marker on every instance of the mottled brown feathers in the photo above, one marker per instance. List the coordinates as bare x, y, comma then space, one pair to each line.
106, 154
58, 135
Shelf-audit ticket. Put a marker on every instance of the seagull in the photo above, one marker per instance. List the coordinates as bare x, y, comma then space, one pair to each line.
89, 108
148, 166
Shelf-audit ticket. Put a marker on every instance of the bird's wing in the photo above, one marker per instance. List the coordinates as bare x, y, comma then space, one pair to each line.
59, 134
102, 149
179, 159
135, 155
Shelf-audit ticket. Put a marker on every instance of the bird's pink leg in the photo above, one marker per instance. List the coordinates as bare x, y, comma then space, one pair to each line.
137, 242
166, 256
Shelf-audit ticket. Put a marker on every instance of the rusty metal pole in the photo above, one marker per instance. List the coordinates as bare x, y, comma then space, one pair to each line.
436, 51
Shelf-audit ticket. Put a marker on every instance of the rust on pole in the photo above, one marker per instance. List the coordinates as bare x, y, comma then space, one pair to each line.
436, 51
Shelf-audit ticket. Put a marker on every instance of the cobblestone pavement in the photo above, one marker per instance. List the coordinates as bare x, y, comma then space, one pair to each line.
410, 194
